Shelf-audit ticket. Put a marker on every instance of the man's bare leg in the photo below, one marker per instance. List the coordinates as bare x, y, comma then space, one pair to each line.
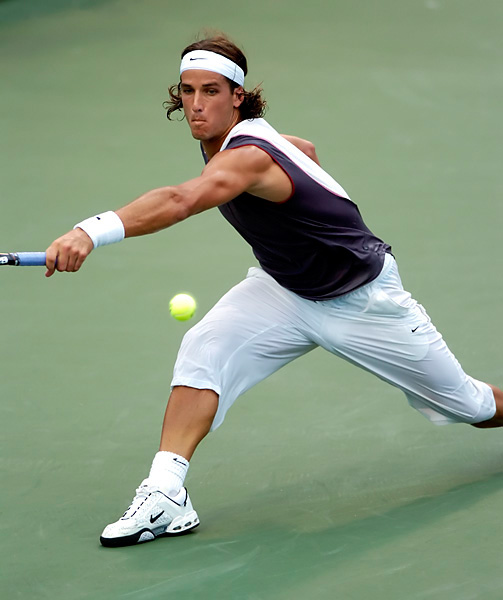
188, 418
497, 420
161, 505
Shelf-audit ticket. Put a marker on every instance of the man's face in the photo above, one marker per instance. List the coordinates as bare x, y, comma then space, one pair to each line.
209, 104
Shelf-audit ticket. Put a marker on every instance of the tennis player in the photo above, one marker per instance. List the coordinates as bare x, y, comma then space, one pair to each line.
324, 279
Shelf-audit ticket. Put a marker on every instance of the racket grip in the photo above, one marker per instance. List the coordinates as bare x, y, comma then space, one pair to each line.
31, 259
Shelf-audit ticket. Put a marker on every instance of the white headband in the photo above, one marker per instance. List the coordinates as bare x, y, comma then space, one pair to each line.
211, 61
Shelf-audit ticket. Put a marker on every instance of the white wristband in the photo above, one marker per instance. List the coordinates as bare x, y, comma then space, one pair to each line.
103, 229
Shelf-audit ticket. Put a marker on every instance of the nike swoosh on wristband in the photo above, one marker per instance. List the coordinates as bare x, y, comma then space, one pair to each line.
154, 519
180, 462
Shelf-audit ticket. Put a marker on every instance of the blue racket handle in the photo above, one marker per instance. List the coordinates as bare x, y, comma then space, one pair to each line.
31, 259
23, 259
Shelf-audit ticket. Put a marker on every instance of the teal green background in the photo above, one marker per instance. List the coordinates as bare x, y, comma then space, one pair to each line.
322, 482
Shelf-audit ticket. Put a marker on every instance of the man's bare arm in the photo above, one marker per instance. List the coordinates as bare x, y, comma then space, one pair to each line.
227, 175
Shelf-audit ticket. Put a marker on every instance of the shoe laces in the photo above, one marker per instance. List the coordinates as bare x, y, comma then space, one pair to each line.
142, 493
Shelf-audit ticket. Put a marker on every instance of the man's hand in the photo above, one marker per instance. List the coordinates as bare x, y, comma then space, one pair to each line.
68, 252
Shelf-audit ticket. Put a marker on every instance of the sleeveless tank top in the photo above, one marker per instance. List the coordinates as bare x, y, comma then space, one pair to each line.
315, 244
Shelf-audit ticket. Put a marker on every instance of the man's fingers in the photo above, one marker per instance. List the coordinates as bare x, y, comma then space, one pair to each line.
51, 257
62, 261
71, 263
80, 261
68, 252
74, 260
67, 256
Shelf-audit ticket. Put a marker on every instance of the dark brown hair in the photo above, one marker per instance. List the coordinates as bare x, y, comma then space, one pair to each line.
253, 105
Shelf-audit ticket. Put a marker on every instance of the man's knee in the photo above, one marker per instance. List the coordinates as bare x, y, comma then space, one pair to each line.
497, 419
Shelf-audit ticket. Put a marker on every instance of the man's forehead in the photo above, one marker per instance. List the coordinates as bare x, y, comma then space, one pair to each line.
201, 77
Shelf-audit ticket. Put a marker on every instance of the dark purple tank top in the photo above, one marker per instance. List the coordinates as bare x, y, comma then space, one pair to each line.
314, 244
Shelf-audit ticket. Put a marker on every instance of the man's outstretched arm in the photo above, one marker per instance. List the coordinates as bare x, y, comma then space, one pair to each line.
227, 175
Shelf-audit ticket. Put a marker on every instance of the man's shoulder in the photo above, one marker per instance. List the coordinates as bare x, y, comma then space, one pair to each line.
243, 157
256, 128
258, 132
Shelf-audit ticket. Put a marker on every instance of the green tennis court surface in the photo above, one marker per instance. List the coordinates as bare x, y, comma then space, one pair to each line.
322, 482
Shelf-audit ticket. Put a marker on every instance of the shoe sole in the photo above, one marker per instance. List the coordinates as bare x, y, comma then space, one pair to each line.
179, 526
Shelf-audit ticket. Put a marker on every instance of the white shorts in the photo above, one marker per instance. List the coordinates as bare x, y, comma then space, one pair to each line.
259, 326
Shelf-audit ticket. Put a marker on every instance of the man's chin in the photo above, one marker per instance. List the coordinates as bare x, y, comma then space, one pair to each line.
198, 135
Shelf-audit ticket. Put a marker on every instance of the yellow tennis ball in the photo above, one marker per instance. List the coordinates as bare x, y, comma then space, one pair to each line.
182, 307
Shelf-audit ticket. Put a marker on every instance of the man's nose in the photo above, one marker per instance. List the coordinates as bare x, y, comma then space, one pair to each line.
197, 105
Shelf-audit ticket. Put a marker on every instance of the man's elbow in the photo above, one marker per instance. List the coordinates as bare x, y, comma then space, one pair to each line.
304, 146
309, 150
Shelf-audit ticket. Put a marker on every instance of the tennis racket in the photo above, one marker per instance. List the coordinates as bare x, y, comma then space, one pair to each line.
22, 259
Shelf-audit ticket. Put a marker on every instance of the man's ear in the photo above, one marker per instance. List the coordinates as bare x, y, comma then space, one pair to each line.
239, 95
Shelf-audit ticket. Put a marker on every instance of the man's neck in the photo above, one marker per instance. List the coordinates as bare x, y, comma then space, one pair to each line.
212, 147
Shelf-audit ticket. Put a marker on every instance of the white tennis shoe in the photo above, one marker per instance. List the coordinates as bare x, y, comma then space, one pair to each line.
152, 513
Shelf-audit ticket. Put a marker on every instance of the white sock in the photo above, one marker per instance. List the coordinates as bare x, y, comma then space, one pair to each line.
168, 471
